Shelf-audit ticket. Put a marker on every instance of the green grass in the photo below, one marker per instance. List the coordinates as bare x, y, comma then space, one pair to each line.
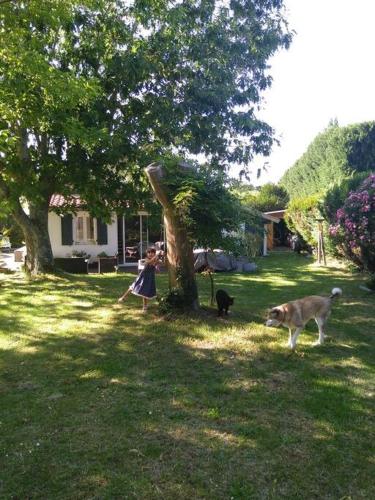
99, 401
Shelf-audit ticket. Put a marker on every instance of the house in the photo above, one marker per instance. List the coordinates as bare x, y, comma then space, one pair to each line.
126, 235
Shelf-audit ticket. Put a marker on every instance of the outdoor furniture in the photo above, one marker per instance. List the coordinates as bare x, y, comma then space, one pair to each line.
131, 252
107, 264
19, 254
75, 265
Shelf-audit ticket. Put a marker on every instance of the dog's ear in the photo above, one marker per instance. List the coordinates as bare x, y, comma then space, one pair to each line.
274, 312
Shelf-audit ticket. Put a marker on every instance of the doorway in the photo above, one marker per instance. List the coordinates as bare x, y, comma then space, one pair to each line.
133, 237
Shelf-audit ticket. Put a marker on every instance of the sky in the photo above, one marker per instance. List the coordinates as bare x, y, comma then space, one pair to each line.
328, 72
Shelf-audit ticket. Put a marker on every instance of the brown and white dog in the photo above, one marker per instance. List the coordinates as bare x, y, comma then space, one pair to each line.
294, 315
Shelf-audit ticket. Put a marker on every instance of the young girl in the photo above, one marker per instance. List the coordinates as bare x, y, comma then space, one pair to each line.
144, 285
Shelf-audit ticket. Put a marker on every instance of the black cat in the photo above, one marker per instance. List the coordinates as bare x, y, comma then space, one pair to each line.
223, 302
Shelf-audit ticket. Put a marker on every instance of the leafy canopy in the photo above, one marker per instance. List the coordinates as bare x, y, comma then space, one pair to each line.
92, 90
205, 205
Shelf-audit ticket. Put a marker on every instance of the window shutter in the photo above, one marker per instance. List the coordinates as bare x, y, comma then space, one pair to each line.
102, 232
67, 229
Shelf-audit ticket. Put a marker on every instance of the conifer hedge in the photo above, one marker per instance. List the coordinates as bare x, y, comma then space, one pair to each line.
334, 155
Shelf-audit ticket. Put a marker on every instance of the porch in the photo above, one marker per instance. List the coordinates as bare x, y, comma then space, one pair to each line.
135, 233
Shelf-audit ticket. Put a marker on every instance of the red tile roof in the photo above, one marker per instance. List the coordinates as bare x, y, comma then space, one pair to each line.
58, 201
75, 201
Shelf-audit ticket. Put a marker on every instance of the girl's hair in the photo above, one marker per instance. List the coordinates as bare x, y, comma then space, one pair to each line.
151, 250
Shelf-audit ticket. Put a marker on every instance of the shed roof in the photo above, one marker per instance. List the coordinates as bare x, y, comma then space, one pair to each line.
276, 213
270, 217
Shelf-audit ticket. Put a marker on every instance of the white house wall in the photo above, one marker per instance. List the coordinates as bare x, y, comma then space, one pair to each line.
59, 250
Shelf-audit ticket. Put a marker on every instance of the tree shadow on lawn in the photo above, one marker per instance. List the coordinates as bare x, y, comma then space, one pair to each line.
131, 405
152, 409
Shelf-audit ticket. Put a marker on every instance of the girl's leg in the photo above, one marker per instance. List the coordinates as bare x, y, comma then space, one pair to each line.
145, 304
123, 297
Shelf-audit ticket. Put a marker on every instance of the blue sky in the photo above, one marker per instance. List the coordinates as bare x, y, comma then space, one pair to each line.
328, 72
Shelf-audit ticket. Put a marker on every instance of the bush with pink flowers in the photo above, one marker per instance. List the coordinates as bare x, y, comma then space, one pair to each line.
353, 231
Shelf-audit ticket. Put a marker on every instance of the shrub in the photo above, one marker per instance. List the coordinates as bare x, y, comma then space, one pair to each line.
172, 301
80, 253
301, 217
354, 228
336, 195
252, 244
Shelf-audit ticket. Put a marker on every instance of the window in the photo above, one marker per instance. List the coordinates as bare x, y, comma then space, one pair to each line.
80, 235
85, 230
90, 228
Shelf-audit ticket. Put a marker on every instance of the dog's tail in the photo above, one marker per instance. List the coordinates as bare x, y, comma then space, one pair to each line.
336, 292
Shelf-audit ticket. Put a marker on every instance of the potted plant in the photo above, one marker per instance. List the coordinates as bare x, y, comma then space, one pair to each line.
76, 263
106, 263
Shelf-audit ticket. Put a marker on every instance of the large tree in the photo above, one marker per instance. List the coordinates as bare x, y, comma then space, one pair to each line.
199, 210
92, 90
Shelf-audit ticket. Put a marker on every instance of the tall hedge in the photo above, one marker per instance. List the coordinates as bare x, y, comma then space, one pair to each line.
335, 154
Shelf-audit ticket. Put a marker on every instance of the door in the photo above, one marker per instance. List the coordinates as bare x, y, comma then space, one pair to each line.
132, 231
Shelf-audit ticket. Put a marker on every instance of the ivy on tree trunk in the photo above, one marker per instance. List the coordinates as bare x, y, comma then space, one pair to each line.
179, 248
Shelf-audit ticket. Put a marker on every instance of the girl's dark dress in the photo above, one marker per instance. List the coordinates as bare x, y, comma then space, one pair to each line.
144, 285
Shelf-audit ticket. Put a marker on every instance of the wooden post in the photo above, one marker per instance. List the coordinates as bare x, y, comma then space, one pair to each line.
265, 240
321, 249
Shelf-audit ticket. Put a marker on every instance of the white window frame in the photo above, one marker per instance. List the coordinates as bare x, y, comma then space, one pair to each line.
85, 240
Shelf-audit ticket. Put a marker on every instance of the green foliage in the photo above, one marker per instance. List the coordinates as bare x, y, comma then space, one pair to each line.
335, 163
91, 91
335, 196
334, 155
11, 230
254, 201
81, 254
353, 230
271, 197
84, 113
252, 243
266, 198
204, 203
301, 217
172, 300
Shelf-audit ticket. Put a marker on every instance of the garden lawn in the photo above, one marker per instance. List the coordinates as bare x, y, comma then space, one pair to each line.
100, 401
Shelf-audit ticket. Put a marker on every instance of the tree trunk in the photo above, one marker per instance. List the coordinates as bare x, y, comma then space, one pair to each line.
39, 257
179, 249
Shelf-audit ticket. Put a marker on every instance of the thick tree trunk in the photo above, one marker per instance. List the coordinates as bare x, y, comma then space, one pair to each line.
179, 249
39, 257
34, 225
